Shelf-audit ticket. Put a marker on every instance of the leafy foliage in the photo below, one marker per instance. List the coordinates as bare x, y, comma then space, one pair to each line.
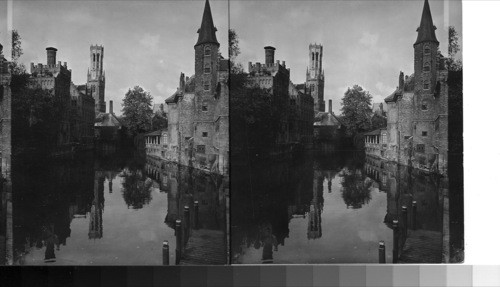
17, 51
452, 63
234, 51
356, 110
137, 110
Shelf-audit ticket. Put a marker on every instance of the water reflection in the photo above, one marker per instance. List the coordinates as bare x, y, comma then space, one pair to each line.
325, 209
114, 208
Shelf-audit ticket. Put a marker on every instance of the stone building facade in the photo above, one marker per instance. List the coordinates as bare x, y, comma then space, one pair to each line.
5, 116
82, 116
96, 78
315, 77
417, 112
57, 79
296, 105
198, 112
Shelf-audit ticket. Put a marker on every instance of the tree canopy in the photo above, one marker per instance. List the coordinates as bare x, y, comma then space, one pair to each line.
356, 110
452, 63
234, 51
137, 110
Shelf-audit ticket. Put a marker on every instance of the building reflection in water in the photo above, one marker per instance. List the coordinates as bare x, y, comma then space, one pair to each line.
268, 199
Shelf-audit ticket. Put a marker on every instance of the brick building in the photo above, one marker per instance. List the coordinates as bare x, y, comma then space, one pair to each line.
5, 116
57, 79
296, 106
198, 127
96, 78
82, 116
315, 77
417, 112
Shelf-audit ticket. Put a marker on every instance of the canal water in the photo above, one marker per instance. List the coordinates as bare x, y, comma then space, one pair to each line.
107, 209
326, 208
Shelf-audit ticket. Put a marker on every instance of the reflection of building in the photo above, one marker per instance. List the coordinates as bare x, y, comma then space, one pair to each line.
198, 130
95, 222
417, 112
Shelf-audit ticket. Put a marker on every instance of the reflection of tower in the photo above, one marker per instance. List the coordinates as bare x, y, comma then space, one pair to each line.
95, 224
96, 78
315, 77
314, 225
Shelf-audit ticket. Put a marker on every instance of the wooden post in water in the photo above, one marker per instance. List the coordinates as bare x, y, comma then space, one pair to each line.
187, 220
395, 249
381, 252
178, 237
166, 253
414, 215
405, 221
196, 213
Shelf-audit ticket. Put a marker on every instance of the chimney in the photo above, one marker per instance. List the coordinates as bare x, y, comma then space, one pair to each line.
330, 106
1, 48
111, 107
51, 56
269, 55
401, 81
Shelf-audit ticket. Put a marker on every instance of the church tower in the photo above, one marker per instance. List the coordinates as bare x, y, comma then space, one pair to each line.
315, 77
426, 54
96, 79
206, 56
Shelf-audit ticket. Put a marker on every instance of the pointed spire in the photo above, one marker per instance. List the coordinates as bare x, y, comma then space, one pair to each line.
426, 31
206, 33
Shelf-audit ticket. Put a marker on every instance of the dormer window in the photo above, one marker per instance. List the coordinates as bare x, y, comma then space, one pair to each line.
207, 50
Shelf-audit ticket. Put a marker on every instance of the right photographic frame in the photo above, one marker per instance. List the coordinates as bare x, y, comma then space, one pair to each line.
346, 123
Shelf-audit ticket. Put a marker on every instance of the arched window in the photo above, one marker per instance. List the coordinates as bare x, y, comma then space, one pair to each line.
206, 70
427, 50
313, 56
94, 57
207, 50
427, 67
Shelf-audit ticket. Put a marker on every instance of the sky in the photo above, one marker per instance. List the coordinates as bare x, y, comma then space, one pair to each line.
146, 43
364, 42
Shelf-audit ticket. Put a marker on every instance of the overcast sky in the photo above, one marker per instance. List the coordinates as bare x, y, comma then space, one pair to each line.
146, 43
364, 42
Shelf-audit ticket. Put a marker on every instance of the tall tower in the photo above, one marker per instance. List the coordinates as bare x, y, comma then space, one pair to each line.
315, 77
426, 53
206, 56
96, 79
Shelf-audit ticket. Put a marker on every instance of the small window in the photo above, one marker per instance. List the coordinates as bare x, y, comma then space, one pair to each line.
206, 85
207, 50
426, 85
204, 107
407, 137
204, 134
427, 50
384, 138
200, 149
312, 88
424, 106
427, 67
424, 133
420, 148
206, 70
436, 125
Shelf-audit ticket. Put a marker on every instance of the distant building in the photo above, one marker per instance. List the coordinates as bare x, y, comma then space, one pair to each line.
5, 116
315, 77
96, 78
108, 128
329, 131
82, 116
296, 105
417, 112
57, 79
198, 112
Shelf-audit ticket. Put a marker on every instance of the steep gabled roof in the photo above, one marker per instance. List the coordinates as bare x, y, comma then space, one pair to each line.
206, 33
426, 31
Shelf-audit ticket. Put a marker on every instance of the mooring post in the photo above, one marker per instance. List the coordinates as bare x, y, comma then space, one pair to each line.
196, 212
381, 252
414, 215
187, 220
178, 237
405, 221
395, 249
166, 253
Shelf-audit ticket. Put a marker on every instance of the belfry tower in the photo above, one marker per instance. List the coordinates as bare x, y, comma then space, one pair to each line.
315, 78
96, 79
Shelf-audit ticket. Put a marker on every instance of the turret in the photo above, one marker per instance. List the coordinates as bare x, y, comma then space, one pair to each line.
51, 56
269, 55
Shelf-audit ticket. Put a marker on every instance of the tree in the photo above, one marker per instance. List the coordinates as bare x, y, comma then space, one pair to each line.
452, 63
137, 111
17, 51
159, 120
356, 110
234, 51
